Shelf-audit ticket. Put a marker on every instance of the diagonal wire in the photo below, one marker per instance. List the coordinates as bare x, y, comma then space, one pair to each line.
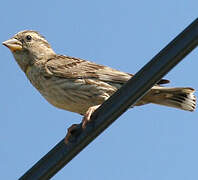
116, 105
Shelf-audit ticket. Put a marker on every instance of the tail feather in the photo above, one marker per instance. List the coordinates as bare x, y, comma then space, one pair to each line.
181, 98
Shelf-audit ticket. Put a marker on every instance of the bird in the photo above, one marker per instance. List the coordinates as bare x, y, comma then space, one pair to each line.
81, 86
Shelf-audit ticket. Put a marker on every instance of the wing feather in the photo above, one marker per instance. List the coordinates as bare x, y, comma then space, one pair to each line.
75, 68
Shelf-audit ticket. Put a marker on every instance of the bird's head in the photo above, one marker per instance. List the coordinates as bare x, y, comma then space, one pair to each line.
28, 47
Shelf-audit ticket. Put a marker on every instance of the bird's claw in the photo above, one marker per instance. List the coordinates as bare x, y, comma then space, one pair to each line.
72, 132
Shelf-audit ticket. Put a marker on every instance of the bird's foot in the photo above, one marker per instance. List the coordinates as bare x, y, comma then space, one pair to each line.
76, 129
72, 132
87, 116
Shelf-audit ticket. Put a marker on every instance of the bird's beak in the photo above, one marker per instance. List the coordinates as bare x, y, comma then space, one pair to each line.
13, 44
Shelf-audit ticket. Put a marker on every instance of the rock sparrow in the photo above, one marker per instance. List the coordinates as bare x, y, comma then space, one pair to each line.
82, 86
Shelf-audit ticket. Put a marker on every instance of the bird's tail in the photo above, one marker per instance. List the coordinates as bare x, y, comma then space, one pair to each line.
180, 97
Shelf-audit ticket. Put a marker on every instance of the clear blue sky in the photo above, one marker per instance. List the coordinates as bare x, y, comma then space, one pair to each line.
150, 142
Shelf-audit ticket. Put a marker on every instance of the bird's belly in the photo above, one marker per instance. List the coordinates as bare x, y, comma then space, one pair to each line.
63, 100
73, 95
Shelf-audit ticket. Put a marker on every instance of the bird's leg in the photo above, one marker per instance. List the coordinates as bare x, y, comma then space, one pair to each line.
74, 130
87, 115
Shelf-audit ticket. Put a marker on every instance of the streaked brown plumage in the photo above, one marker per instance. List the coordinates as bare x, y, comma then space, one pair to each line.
81, 86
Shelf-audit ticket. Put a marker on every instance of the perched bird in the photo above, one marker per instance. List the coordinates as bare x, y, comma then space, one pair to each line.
82, 86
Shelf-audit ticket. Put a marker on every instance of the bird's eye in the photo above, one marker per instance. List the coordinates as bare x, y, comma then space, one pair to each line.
29, 38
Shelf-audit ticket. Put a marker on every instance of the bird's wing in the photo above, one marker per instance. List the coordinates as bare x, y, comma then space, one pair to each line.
75, 68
